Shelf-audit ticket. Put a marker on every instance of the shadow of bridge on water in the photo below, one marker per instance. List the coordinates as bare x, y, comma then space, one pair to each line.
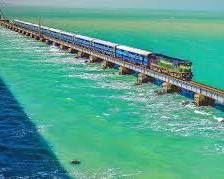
23, 152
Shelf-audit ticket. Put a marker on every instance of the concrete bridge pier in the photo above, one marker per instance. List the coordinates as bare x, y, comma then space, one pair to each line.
106, 64
71, 50
142, 78
93, 59
201, 100
79, 54
169, 88
41, 39
55, 44
48, 41
62, 47
125, 71
36, 37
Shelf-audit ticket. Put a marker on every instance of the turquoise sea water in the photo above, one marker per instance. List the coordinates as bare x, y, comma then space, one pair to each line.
116, 129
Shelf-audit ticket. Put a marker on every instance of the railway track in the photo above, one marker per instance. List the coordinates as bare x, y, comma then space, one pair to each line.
209, 88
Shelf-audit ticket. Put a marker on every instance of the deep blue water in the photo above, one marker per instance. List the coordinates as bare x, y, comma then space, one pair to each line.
23, 152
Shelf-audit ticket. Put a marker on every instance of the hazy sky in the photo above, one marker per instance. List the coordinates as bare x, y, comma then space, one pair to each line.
155, 4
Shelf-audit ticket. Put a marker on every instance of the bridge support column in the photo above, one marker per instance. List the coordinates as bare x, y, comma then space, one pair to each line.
71, 50
55, 44
106, 64
36, 37
62, 47
142, 78
125, 71
48, 41
169, 88
201, 100
79, 54
94, 59
41, 39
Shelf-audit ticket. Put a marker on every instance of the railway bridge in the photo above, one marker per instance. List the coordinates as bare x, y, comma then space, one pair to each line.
203, 95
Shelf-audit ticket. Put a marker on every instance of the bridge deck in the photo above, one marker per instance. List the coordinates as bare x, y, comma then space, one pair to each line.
193, 86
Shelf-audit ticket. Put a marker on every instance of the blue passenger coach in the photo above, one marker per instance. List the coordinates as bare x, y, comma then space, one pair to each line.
104, 47
27, 25
34, 27
19, 23
83, 41
45, 31
67, 37
133, 55
54, 33
22, 24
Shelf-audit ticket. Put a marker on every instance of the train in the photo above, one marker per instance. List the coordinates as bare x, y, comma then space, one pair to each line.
174, 67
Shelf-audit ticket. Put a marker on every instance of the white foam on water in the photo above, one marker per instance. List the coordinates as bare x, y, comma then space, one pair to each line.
109, 173
202, 113
105, 114
53, 49
69, 99
42, 128
219, 119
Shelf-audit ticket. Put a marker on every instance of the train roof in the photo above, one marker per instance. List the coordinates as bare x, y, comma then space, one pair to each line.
54, 30
104, 42
67, 33
134, 50
16, 20
34, 24
27, 23
84, 37
21, 21
173, 59
45, 27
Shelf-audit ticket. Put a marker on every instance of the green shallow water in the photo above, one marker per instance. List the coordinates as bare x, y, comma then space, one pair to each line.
116, 129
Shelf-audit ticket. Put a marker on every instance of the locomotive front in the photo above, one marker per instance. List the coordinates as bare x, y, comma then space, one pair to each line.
174, 67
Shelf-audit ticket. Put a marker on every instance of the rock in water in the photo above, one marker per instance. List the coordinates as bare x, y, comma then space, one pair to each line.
75, 162
185, 103
159, 93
